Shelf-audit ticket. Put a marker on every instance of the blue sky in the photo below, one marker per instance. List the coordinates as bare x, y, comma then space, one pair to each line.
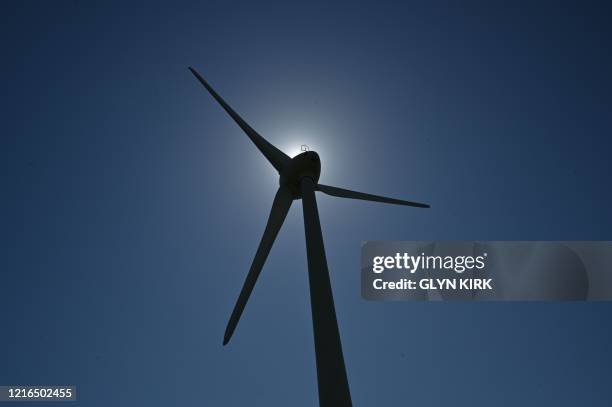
132, 205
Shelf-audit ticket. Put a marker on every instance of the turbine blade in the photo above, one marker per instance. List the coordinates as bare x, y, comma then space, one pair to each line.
280, 207
276, 157
331, 372
347, 193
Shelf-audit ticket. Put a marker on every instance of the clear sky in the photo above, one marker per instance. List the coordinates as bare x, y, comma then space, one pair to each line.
132, 205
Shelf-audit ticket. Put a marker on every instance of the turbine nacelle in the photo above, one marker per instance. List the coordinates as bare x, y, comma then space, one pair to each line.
306, 164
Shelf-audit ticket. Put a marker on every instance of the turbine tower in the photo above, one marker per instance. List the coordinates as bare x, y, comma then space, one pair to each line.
299, 179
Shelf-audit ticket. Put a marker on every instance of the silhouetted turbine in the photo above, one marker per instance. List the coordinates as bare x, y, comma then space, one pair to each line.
299, 178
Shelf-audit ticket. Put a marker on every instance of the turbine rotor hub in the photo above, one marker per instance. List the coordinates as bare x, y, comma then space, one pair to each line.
307, 164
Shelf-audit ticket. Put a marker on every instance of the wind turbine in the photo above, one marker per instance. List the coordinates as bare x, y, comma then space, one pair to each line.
299, 179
